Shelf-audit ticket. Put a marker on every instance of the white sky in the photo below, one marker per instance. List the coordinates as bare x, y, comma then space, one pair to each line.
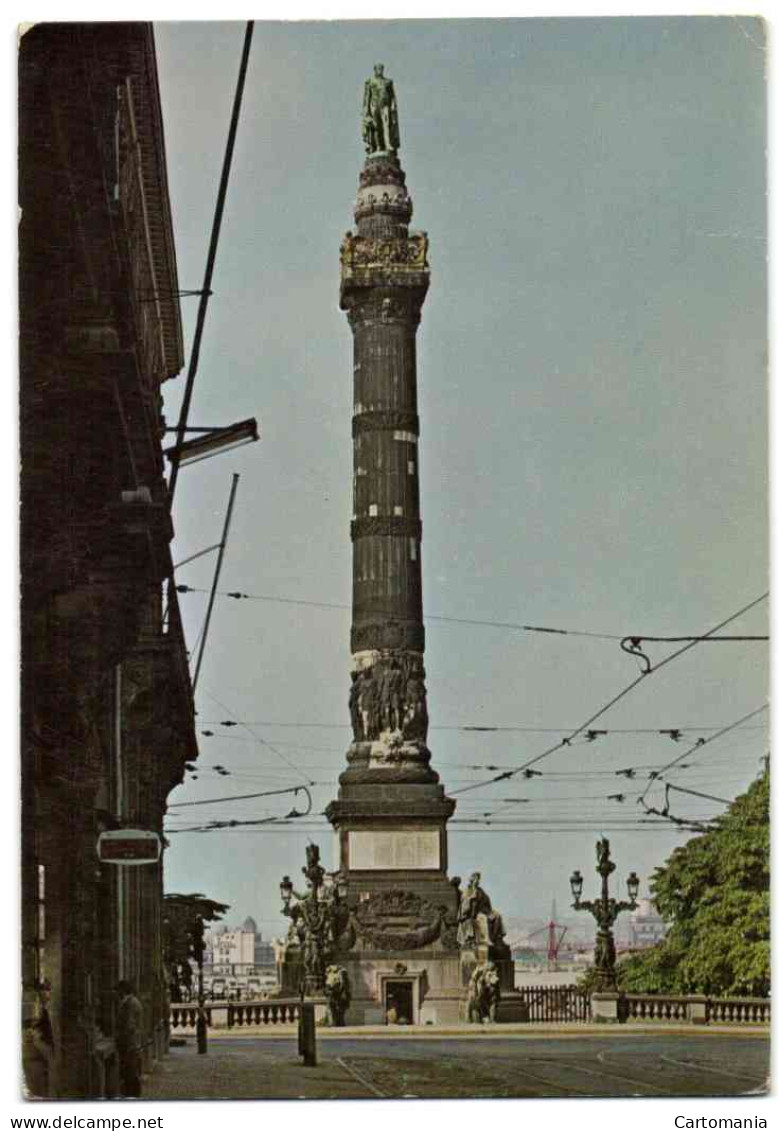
701, 569
592, 401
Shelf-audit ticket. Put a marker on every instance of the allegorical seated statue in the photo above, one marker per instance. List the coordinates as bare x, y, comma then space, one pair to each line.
337, 993
380, 128
483, 993
479, 924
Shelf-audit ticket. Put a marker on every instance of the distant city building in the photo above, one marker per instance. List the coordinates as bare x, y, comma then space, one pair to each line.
646, 926
234, 957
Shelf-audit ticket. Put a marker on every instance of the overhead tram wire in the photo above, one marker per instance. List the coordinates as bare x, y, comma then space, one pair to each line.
287, 828
465, 728
262, 741
514, 626
712, 768
644, 675
698, 744
239, 797
696, 793
476, 810
428, 616
205, 294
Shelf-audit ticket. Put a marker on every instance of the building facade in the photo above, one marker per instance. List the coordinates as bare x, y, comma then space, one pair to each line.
107, 710
645, 926
238, 960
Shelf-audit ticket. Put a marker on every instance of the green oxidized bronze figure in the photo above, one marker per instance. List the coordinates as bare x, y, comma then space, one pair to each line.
380, 128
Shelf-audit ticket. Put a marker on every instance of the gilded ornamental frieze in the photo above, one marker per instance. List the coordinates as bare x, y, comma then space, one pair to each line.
371, 252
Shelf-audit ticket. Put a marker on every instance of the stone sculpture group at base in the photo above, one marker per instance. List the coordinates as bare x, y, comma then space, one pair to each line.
337, 991
326, 932
483, 993
479, 923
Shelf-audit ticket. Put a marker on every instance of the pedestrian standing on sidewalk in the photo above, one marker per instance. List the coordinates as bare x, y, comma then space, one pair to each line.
129, 1039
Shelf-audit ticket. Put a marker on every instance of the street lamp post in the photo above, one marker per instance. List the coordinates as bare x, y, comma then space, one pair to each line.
316, 915
201, 1026
605, 911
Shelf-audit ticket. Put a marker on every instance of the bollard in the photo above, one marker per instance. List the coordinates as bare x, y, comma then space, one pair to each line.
201, 1029
306, 1034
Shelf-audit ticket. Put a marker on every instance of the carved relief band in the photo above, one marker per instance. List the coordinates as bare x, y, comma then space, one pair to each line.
382, 301
400, 207
390, 696
384, 421
383, 524
380, 635
398, 920
380, 171
396, 252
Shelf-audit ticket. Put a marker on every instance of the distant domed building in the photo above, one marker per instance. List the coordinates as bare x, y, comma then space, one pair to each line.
646, 926
234, 958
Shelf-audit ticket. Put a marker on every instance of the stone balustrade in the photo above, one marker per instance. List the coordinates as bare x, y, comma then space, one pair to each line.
693, 1009
652, 1007
184, 1016
738, 1011
238, 1014
690, 1009
279, 1012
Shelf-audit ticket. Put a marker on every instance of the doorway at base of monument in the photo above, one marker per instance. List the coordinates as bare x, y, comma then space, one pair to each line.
426, 990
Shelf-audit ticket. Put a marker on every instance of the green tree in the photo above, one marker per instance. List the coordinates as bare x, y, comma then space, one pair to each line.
714, 893
184, 919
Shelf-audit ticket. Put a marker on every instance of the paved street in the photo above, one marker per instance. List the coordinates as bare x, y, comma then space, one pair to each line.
532, 1066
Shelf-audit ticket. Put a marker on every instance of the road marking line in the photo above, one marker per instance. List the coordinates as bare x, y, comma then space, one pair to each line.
365, 1083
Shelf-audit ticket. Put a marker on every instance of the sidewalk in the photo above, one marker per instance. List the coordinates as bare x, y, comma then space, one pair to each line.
484, 1032
239, 1073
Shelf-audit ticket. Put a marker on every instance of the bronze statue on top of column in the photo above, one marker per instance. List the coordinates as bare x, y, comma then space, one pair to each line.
380, 127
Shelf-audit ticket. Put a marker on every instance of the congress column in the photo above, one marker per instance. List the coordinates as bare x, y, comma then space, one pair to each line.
391, 811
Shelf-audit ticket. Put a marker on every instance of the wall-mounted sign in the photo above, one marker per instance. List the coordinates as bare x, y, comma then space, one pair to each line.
128, 846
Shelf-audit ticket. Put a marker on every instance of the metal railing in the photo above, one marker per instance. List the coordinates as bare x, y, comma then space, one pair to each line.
556, 1003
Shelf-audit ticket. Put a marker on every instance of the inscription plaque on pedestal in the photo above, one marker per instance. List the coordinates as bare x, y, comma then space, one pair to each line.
400, 849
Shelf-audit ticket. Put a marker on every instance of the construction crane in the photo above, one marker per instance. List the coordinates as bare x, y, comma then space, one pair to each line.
554, 941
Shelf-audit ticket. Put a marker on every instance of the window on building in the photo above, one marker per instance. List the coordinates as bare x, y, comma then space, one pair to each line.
40, 927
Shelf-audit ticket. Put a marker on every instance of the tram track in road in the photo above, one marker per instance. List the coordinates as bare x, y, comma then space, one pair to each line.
697, 1067
548, 1087
361, 1079
608, 1074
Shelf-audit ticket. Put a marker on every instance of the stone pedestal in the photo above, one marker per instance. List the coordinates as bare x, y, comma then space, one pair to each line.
605, 1007
424, 986
512, 1009
697, 1005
